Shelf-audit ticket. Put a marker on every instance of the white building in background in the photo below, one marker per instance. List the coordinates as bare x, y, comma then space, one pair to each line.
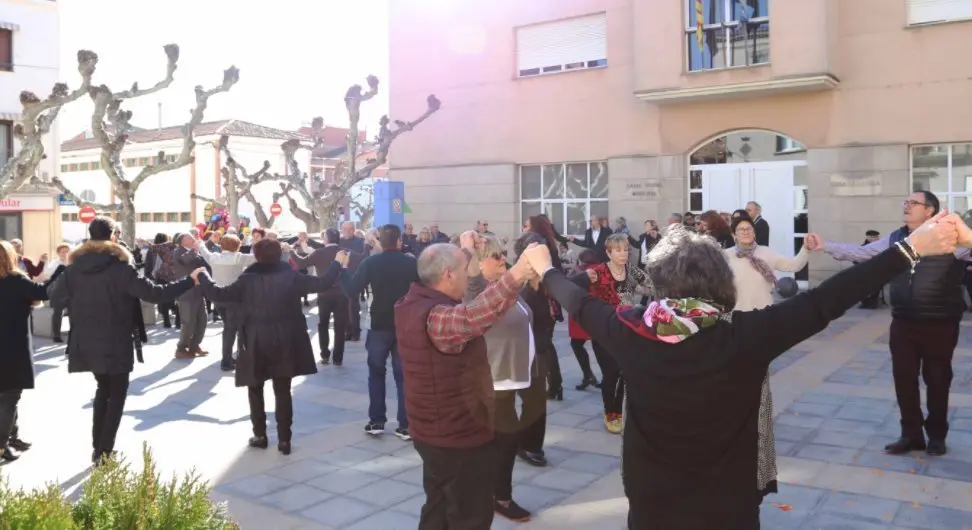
164, 202
29, 60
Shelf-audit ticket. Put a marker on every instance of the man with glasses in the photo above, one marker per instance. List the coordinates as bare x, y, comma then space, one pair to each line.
926, 307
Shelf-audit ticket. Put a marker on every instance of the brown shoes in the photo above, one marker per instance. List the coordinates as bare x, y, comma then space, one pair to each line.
199, 352
183, 354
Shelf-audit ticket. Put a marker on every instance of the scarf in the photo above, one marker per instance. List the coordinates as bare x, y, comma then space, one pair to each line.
761, 266
674, 320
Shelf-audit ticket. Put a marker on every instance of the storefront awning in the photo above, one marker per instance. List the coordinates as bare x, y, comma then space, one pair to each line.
9, 25
10, 116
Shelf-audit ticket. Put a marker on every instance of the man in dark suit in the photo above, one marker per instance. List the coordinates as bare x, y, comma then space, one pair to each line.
760, 225
356, 245
595, 237
330, 302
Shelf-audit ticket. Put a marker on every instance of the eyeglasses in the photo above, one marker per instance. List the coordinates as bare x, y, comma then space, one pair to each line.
744, 230
910, 202
497, 257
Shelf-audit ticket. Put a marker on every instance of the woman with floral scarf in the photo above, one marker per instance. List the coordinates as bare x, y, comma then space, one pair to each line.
753, 269
694, 368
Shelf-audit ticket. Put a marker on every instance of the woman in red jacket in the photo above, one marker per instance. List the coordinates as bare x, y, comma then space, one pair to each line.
579, 337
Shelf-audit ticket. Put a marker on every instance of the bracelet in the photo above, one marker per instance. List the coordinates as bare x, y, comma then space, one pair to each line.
910, 248
908, 252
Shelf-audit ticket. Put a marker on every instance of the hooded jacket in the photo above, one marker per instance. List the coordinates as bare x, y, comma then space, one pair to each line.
100, 288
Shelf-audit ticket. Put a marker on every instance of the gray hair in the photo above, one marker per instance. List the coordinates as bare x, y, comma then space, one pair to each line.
756, 205
435, 260
491, 247
685, 264
677, 217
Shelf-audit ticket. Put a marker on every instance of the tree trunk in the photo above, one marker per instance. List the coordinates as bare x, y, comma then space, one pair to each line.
233, 203
127, 217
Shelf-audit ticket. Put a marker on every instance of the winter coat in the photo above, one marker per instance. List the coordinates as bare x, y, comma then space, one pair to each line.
100, 290
17, 295
275, 341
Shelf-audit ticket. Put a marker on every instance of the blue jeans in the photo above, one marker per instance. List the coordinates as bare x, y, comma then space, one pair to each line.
379, 344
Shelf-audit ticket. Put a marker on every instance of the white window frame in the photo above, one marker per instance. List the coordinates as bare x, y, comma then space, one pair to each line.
944, 197
919, 11
560, 67
727, 27
565, 201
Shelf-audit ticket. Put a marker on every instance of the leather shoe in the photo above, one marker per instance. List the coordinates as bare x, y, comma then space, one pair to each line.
936, 447
284, 447
534, 459
259, 442
8, 455
904, 445
19, 445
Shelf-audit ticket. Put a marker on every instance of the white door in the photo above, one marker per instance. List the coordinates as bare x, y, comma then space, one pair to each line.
722, 188
772, 188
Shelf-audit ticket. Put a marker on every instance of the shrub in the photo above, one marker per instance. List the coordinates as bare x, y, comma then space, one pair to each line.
117, 498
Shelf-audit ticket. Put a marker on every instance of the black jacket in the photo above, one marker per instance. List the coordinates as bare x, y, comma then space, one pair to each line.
933, 291
649, 241
598, 245
100, 290
390, 275
693, 406
274, 341
762, 228
17, 295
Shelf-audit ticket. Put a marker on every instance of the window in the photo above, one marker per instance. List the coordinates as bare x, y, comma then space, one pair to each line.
568, 193
158, 217
946, 171
6, 142
64, 168
6, 50
144, 217
94, 165
185, 217
172, 217
72, 167
89, 196
785, 144
936, 11
65, 217
170, 159
564, 45
732, 33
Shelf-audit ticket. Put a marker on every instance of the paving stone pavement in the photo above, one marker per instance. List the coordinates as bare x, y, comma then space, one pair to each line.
833, 395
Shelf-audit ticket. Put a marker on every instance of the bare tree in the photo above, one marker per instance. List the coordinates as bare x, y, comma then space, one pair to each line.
38, 117
111, 126
238, 184
364, 205
320, 209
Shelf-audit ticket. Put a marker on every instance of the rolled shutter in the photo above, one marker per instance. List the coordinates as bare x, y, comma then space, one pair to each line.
931, 11
561, 43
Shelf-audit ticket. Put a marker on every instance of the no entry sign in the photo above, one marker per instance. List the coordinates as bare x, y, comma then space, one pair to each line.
275, 209
87, 214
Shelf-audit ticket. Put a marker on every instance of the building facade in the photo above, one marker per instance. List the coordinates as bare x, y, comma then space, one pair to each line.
165, 202
29, 60
826, 112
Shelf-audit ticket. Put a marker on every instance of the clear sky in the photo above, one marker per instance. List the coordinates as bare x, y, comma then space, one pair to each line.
296, 57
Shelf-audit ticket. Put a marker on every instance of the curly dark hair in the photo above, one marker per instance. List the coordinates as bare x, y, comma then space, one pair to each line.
525, 240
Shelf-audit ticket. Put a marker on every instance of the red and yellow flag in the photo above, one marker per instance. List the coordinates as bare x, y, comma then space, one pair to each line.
699, 23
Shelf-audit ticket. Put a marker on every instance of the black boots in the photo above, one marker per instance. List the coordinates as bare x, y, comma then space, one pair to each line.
588, 380
904, 445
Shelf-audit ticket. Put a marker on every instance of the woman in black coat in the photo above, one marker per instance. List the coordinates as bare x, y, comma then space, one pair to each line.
275, 344
18, 294
695, 370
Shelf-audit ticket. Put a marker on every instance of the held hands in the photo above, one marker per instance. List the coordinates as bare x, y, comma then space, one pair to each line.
964, 232
939, 235
43, 257
195, 274
539, 258
591, 275
813, 242
468, 240
342, 258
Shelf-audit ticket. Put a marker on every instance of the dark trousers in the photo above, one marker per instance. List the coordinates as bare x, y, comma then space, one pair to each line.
229, 313
8, 416
354, 317
513, 432
583, 359
968, 283
335, 304
381, 344
192, 309
926, 348
284, 411
57, 314
612, 384
547, 357
109, 405
458, 487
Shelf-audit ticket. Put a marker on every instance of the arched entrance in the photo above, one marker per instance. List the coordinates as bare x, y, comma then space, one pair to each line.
734, 168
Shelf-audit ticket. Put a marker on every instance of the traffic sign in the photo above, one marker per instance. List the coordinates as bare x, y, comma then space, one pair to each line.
275, 209
87, 214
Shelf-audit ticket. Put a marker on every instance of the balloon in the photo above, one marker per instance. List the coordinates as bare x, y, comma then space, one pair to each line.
787, 287
215, 218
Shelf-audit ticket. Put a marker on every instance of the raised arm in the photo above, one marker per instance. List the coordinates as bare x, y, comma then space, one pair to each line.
450, 328
204, 252
229, 293
308, 284
852, 252
353, 284
303, 262
153, 293
36, 291
598, 319
793, 264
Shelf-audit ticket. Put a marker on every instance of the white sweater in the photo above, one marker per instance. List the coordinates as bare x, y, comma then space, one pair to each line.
227, 266
752, 290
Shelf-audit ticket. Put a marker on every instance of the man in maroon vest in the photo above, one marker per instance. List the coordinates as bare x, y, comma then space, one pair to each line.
448, 383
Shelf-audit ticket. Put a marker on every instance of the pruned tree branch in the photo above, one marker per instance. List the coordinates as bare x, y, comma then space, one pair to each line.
237, 181
217, 202
305, 216
69, 195
263, 218
38, 117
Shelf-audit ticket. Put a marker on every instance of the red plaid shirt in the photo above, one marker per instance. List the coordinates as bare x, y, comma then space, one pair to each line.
452, 327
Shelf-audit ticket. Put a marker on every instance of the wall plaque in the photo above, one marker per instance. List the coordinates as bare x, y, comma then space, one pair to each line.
642, 190
855, 186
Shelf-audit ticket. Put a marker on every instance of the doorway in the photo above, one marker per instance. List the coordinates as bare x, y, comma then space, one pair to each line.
10, 226
765, 167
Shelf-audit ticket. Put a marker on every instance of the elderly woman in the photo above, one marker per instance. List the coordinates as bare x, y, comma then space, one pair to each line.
18, 294
275, 343
753, 275
511, 352
227, 266
695, 370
